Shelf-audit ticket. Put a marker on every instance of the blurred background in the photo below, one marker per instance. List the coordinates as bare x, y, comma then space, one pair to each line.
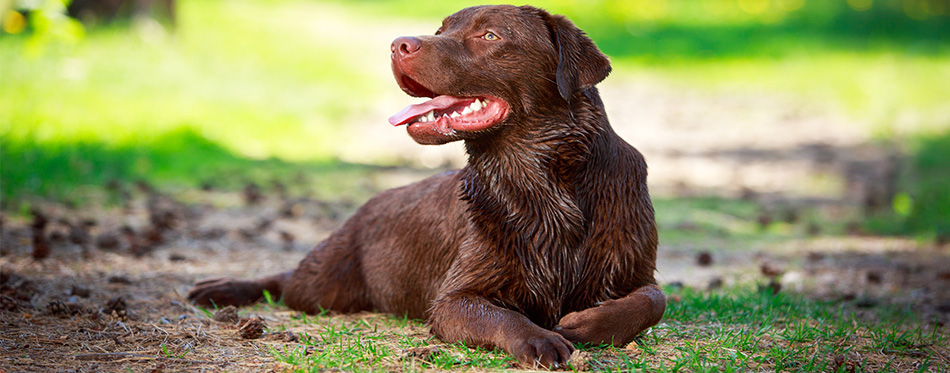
807, 117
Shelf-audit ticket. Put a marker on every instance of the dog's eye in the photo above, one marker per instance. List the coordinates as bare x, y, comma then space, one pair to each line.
490, 36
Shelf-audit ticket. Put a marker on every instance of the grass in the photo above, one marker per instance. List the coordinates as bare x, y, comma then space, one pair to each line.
170, 354
119, 86
748, 329
79, 172
734, 329
372, 342
138, 102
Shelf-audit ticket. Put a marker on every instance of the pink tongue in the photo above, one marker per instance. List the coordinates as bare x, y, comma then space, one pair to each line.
412, 111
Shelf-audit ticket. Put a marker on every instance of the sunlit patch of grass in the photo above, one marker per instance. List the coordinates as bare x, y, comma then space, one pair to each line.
235, 82
379, 343
742, 328
259, 88
891, 93
79, 172
736, 329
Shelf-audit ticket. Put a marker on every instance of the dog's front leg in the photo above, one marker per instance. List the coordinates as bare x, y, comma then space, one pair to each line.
475, 321
615, 321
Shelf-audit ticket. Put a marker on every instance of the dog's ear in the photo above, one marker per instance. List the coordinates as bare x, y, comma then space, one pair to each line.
580, 64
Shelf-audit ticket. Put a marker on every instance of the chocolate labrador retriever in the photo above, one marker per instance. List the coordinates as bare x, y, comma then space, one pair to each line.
545, 238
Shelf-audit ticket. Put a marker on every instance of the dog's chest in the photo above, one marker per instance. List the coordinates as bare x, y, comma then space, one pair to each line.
564, 281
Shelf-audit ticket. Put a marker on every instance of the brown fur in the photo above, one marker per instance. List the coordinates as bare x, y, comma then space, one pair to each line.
546, 237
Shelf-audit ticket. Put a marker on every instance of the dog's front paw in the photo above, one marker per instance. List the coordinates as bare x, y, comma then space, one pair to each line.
596, 325
545, 348
225, 292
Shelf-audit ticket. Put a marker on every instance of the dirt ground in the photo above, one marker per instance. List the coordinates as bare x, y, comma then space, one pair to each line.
111, 294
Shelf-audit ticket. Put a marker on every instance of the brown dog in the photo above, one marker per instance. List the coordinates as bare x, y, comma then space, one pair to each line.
546, 237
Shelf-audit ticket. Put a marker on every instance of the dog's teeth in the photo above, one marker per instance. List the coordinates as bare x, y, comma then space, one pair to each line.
476, 106
431, 116
468, 110
456, 114
423, 119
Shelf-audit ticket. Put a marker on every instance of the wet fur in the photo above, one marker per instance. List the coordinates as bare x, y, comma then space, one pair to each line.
546, 237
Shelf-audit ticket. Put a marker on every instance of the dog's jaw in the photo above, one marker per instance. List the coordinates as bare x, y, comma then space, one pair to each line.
447, 118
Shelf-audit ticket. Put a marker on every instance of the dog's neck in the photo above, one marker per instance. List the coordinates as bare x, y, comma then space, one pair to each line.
533, 164
523, 179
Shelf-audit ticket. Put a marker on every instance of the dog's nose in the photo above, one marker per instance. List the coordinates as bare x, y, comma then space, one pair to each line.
405, 45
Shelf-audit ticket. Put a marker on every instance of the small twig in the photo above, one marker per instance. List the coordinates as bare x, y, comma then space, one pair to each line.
940, 354
156, 327
911, 353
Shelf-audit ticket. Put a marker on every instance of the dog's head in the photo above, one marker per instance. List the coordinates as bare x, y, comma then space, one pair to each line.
489, 66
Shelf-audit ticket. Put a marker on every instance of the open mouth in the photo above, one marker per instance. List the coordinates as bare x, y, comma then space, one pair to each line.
413, 88
446, 114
